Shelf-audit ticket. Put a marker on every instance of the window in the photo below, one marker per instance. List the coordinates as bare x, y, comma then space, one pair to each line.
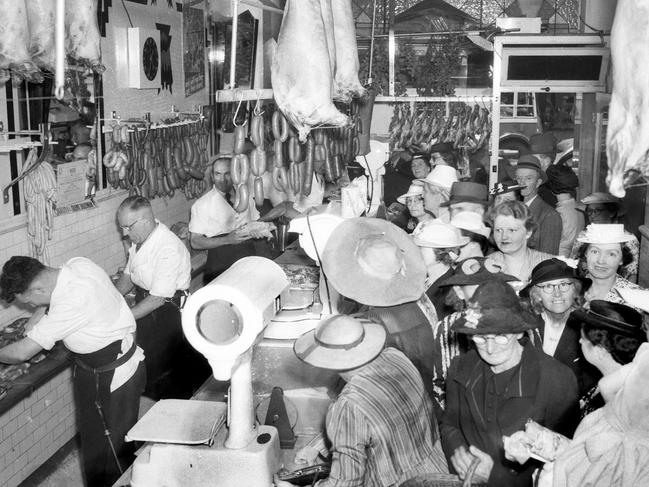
517, 105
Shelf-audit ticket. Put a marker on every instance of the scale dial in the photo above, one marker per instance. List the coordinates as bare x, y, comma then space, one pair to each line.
150, 58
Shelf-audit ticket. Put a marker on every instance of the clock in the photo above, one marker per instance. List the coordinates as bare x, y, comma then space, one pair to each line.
150, 58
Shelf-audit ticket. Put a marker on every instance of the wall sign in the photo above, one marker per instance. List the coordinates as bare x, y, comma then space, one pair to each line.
193, 49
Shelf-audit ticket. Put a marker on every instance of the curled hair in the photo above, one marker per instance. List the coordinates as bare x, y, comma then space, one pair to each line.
536, 304
516, 209
17, 275
621, 347
134, 203
444, 255
627, 256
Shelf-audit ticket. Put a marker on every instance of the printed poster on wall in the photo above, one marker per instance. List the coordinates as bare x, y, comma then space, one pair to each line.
193, 49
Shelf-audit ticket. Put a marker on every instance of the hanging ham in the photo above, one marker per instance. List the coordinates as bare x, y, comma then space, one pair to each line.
82, 41
328, 19
14, 42
346, 83
301, 70
627, 140
41, 16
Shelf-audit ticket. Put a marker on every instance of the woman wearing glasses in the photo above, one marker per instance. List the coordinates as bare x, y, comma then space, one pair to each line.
493, 390
554, 292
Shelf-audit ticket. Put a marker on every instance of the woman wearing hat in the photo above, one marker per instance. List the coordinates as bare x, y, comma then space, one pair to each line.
414, 200
554, 291
420, 166
611, 445
513, 226
605, 208
506, 191
380, 425
459, 286
493, 390
603, 252
472, 225
440, 245
437, 190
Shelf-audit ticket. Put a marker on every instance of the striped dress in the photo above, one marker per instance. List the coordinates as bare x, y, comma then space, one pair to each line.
380, 427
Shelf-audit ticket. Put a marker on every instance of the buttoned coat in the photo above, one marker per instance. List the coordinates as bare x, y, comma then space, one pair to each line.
541, 389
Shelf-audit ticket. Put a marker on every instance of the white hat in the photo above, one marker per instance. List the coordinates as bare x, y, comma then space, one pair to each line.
437, 234
314, 231
415, 189
638, 298
442, 176
471, 221
604, 233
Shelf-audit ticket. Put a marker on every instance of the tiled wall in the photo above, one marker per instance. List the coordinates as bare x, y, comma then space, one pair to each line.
35, 428
40, 424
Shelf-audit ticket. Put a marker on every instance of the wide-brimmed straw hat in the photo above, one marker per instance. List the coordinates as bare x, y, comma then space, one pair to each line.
441, 176
529, 161
600, 197
374, 262
341, 343
439, 235
475, 271
471, 222
469, 192
495, 309
615, 317
414, 190
552, 269
604, 233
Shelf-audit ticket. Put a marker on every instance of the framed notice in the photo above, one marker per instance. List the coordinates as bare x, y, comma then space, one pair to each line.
193, 49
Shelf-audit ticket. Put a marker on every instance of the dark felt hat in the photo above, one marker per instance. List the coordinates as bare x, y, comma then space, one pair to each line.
476, 270
615, 317
495, 308
561, 179
543, 144
528, 161
552, 269
441, 147
467, 191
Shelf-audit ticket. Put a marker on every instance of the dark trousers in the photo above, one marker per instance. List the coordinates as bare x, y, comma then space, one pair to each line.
174, 370
120, 410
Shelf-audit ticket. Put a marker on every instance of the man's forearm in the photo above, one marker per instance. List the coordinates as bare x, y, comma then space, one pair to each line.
146, 306
124, 284
201, 242
20, 351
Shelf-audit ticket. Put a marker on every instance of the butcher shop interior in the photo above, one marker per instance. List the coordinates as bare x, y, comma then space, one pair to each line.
333, 243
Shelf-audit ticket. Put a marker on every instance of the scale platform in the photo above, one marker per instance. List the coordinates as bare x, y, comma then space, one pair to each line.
185, 446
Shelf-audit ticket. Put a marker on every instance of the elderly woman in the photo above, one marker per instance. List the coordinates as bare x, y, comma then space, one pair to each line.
414, 201
611, 445
493, 390
603, 253
554, 291
513, 226
437, 190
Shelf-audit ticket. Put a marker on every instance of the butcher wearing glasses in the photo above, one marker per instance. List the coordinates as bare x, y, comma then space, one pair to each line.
494, 389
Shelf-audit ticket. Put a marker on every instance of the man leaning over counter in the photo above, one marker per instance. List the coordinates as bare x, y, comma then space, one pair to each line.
78, 304
159, 268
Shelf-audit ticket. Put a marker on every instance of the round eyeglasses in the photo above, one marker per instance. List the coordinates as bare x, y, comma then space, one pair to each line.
550, 288
481, 340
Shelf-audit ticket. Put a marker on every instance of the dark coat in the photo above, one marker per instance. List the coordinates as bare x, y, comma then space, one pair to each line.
541, 389
547, 236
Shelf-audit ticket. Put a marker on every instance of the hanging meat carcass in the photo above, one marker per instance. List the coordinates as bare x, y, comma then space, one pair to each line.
300, 69
627, 140
41, 16
82, 41
14, 43
328, 19
346, 83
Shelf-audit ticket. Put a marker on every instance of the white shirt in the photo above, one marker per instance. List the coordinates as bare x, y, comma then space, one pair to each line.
529, 202
162, 265
211, 215
88, 313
